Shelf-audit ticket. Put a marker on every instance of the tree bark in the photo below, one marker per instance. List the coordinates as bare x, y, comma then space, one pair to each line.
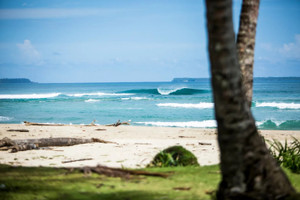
248, 169
246, 44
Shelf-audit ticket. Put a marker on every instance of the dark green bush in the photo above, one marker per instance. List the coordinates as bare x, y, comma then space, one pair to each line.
174, 156
286, 155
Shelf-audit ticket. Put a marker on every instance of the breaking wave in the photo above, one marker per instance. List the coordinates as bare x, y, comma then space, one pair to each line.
91, 100
190, 124
97, 94
53, 95
135, 98
160, 91
278, 105
279, 125
29, 96
201, 105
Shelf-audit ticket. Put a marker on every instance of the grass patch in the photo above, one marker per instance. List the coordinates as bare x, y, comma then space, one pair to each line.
50, 183
22, 183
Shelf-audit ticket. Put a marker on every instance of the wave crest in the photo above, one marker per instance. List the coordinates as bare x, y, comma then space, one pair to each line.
97, 94
279, 125
91, 100
190, 124
29, 96
279, 105
201, 105
135, 98
161, 91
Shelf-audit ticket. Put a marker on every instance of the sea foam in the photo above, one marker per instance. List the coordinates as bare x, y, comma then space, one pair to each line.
135, 98
201, 105
279, 105
191, 124
4, 119
28, 96
91, 100
97, 94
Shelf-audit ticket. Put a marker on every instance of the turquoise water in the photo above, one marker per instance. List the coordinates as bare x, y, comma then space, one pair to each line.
276, 103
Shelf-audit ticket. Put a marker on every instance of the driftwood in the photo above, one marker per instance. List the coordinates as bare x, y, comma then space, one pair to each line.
100, 129
117, 172
69, 161
181, 136
28, 144
118, 123
18, 130
204, 143
41, 124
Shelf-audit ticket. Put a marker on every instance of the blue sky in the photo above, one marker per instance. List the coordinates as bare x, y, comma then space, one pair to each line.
132, 40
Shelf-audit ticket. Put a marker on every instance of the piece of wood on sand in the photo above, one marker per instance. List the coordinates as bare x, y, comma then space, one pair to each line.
118, 123
204, 143
17, 130
28, 144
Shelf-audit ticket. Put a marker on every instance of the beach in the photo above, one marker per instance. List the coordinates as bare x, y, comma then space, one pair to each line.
129, 147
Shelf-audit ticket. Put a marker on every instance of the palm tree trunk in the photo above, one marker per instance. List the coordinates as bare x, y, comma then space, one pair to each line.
246, 44
248, 169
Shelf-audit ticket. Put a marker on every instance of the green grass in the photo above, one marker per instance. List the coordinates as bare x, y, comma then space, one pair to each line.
50, 183
286, 155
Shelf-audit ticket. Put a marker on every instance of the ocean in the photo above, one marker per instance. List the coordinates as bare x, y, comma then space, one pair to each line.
276, 103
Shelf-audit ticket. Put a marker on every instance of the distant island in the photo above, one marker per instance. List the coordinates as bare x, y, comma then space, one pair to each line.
15, 80
187, 80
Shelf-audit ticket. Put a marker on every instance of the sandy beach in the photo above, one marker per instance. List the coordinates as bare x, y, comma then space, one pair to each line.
132, 147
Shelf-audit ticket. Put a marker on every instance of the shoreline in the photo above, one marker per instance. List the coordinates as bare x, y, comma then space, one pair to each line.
133, 147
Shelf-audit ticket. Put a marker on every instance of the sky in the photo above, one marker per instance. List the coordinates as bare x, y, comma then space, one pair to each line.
133, 40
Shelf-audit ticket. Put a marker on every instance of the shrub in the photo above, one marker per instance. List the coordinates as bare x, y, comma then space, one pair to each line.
174, 156
286, 155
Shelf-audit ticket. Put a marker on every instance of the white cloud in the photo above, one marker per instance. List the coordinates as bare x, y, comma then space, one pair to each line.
292, 50
29, 54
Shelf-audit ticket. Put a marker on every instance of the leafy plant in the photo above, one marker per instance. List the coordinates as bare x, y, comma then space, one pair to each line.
174, 156
287, 155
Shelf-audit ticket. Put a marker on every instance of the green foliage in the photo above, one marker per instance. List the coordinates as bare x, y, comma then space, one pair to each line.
174, 156
286, 155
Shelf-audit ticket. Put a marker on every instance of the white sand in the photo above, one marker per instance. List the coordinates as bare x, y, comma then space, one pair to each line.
136, 145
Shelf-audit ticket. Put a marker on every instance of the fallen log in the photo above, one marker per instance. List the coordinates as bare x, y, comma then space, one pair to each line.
18, 130
123, 173
28, 144
40, 124
118, 123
